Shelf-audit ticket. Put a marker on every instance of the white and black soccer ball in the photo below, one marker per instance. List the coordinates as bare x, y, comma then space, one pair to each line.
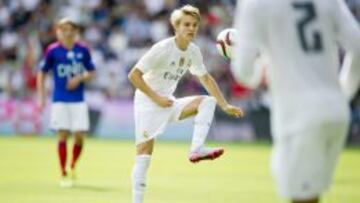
225, 42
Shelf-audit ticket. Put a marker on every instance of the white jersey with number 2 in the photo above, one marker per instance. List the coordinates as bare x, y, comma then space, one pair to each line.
300, 39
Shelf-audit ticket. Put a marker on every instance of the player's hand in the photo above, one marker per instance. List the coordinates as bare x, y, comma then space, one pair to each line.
163, 101
233, 111
74, 82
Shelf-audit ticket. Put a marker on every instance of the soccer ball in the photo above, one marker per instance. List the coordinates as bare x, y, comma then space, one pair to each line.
225, 42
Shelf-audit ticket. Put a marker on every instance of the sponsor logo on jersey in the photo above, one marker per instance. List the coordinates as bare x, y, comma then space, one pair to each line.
70, 70
171, 76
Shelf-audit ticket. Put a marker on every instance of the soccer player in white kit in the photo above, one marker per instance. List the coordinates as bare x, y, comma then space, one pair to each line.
156, 76
310, 114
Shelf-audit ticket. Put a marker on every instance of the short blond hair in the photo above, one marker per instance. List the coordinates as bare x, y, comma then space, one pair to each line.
177, 14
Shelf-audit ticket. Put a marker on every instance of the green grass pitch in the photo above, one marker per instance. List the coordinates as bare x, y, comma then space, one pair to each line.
29, 174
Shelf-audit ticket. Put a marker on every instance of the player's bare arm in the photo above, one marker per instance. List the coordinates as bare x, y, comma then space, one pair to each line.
41, 90
136, 78
74, 82
212, 88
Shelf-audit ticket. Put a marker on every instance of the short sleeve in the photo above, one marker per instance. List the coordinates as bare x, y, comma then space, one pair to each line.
47, 63
150, 60
88, 63
198, 67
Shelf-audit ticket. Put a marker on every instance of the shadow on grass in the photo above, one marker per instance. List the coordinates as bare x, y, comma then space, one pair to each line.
94, 188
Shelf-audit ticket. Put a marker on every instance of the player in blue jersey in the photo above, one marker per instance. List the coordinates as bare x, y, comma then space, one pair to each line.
71, 66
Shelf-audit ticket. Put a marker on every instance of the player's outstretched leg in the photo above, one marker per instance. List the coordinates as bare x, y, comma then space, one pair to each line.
202, 123
76, 152
141, 166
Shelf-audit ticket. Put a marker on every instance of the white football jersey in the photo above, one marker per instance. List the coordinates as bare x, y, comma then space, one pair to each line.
300, 39
165, 64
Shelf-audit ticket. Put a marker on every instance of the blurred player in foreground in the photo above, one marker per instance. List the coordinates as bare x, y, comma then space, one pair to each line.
156, 76
71, 65
310, 114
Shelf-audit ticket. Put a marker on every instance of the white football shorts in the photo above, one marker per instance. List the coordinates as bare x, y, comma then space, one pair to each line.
72, 116
303, 163
151, 119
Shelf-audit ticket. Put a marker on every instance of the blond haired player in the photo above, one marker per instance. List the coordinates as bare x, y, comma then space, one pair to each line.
310, 114
156, 76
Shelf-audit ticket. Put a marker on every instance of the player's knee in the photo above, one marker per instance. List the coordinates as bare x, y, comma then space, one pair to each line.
211, 99
208, 101
79, 140
63, 134
145, 148
79, 137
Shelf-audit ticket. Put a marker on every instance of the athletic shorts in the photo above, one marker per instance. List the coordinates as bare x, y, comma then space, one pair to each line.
151, 119
69, 116
303, 163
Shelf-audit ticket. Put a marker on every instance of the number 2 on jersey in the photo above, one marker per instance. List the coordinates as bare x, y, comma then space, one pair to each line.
309, 15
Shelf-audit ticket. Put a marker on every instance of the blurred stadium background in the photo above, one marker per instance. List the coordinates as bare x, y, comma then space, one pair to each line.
118, 33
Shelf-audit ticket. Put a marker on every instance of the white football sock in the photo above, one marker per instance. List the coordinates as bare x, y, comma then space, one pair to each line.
141, 166
202, 122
